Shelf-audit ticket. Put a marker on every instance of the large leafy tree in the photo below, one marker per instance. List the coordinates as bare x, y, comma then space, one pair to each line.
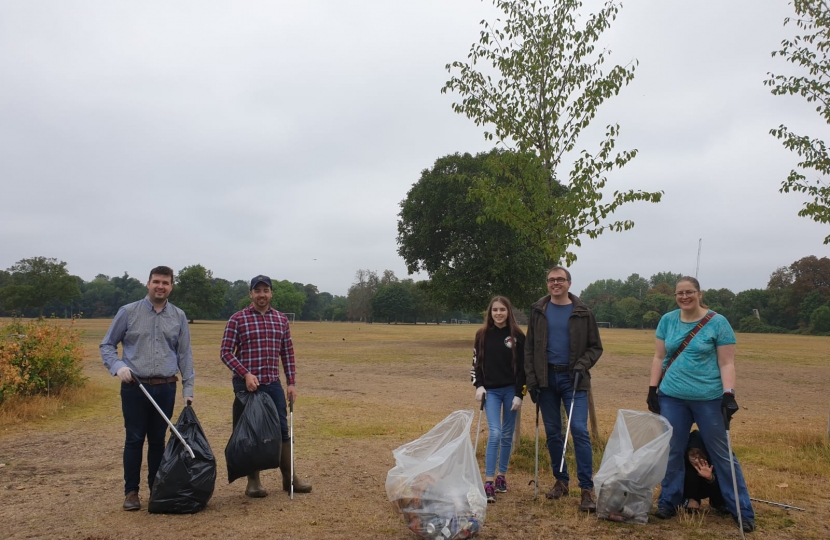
810, 51
34, 283
469, 256
361, 294
394, 302
198, 293
535, 79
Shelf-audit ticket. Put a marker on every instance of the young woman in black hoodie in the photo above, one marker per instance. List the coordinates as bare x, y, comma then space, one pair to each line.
499, 377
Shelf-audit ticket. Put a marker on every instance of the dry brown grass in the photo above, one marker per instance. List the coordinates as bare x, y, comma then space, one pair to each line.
365, 389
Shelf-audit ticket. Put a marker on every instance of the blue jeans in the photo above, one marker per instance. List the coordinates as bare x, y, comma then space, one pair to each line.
707, 415
142, 420
502, 422
274, 390
560, 392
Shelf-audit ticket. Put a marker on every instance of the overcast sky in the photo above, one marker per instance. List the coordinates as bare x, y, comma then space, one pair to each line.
280, 137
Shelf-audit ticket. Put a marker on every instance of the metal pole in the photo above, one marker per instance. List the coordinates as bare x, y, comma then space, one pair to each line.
726, 421
570, 414
536, 474
291, 437
169, 423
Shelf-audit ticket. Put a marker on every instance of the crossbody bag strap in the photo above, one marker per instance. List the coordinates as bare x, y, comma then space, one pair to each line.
686, 341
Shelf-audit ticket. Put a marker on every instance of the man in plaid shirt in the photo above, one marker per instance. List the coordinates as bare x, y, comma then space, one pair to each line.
255, 340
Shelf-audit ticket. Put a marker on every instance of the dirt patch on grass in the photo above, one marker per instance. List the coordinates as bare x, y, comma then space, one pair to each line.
364, 390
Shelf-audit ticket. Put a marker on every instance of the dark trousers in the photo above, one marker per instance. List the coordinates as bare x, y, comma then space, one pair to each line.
697, 488
275, 391
142, 420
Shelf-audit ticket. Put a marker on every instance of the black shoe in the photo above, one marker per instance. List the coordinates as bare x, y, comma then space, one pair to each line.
665, 513
748, 525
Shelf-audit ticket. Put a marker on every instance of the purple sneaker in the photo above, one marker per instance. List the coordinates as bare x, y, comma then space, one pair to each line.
501, 484
490, 491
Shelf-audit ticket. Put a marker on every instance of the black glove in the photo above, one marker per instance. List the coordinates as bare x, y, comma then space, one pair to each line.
652, 401
728, 407
579, 374
533, 392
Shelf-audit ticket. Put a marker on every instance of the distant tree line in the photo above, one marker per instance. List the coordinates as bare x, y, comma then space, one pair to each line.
796, 299
40, 285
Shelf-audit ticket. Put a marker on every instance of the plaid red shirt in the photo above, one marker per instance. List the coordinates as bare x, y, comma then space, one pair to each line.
254, 343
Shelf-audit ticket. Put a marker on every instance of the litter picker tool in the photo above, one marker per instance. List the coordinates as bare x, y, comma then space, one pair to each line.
570, 414
169, 423
478, 429
782, 505
726, 421
536, 473
291, 437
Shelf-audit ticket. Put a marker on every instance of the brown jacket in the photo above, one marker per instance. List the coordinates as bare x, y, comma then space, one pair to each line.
586, 347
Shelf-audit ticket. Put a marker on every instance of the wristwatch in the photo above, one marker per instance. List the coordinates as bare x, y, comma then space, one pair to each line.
729, 391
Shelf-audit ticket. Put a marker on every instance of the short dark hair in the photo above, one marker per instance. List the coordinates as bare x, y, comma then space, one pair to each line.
557, 267
162, 271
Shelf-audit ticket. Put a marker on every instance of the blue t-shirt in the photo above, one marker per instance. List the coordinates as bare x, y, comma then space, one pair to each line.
559, 336
694, 375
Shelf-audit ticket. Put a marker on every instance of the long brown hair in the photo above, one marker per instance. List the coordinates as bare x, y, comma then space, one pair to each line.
489, 324
696, 284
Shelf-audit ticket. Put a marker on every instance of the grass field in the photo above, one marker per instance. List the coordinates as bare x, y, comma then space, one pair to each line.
366, 389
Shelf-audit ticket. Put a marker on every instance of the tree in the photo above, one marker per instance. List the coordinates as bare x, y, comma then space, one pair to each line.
545, 88
669, 278
634, 286
427, 304
820, 319
33, 283
632, 311
236, 294
286, 298
198, 294
811, 52
361, 294
650, 319
393, 302
469, 258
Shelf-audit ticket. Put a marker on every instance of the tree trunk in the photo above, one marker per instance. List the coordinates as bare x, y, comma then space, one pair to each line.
592, 415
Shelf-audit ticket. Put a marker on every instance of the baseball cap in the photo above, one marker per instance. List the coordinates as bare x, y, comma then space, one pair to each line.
260, 279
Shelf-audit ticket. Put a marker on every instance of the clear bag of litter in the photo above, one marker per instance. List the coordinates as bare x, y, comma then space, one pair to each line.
436, 485
634, 462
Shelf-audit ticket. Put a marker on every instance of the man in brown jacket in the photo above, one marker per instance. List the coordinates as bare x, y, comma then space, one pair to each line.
562, 346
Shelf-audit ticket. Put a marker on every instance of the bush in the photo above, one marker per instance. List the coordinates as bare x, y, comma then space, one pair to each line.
39, 357
820, 320
753, 325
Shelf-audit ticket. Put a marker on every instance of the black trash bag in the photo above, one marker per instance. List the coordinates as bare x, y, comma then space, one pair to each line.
256, 440
184, 485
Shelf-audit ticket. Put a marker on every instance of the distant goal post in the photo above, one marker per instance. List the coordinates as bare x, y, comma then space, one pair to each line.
459, 321
603, 324
290, 317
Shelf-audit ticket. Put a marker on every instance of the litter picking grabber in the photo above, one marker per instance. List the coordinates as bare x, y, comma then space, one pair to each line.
782, 505
169, 423
726, 422
570, 414
291, 438
536, 473
478, 429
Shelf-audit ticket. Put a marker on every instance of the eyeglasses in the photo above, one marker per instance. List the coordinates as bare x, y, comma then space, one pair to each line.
681, 294
557, 280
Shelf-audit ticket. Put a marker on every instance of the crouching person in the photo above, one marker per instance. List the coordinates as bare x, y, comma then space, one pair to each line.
254, 341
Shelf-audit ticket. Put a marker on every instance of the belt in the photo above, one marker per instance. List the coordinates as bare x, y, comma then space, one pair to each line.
558, 369
152, 381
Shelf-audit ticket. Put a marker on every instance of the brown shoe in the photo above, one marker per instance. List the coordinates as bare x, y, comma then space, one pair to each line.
559, 489
132, 502
587, 504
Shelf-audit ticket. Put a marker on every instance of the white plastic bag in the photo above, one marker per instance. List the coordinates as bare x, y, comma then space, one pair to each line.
436, 485
634, 462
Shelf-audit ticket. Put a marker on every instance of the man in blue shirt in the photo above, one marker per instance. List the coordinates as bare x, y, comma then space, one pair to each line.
563, 345
155, 339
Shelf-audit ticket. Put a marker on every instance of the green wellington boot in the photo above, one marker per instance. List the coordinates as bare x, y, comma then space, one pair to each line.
285, 467
255, 489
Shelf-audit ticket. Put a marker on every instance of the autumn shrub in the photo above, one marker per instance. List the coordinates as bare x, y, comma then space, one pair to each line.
39, 357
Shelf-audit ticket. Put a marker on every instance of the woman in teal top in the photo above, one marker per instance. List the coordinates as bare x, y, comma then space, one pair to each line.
698, 387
